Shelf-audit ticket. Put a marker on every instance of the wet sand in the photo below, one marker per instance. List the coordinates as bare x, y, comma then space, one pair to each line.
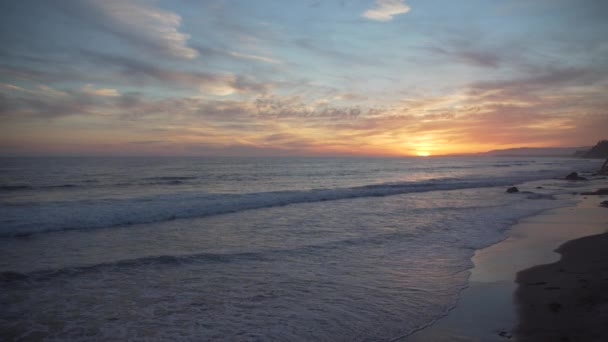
493, 309
566, 300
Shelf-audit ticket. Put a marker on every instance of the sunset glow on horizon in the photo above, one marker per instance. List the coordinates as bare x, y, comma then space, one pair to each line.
321, 78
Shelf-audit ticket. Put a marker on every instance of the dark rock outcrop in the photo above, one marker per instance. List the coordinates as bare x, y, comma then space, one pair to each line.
604, 204
602, 191
604, 169
574, 176
512, 189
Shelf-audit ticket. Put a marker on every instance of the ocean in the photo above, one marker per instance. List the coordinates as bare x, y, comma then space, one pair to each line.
251, 249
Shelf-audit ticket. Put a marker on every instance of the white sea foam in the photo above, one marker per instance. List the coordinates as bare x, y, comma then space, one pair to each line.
28, 218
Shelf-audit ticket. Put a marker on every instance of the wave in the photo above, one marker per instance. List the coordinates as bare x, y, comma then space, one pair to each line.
31, 187
15, 187
512, 163
60, 186
10, 276
171, 178
94, 184
13, 276
32, 218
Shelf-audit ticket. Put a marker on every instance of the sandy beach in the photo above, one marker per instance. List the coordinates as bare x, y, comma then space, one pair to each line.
566, 300
521, 290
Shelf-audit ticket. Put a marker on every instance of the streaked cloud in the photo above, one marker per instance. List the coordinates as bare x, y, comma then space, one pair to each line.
51, 91
144, 25
139, 72
476, 57
385, 10
90, 89
9, 86
293, 107
254, 57
40, 89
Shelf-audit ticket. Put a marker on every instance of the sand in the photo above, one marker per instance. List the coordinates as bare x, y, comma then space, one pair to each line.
496, 308
566, 300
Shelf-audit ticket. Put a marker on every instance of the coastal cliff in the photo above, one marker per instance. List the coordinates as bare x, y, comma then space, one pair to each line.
600, 150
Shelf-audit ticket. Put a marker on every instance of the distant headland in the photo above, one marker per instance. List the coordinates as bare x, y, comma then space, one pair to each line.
599, 151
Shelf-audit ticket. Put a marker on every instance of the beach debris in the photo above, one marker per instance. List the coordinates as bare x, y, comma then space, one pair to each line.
602, 191
575, 177
512, 189
604, 204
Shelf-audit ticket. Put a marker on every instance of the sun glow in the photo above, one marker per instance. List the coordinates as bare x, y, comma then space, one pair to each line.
423, 153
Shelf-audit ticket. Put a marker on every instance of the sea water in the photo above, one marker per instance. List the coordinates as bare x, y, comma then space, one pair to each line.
250, 249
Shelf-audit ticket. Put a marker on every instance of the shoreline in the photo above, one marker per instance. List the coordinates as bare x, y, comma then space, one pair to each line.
486, 310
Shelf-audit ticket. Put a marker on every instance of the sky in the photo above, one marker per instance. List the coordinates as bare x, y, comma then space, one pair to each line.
301, 77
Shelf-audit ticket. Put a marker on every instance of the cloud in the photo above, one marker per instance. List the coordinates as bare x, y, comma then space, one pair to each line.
488, 116
50, 91
146, 142
222, 52
480, 58
254, 57
386, 9
541, 80
339, 56
41, 90
90, 89
143, 25
88, 101
13, 87
139, 72
294, 108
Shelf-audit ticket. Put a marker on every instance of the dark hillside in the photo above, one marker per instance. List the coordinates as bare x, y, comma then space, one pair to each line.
600, 150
